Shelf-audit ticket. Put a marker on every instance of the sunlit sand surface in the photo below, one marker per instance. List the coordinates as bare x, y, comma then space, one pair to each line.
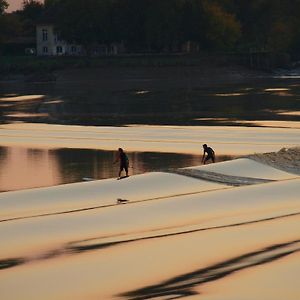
176, 139
170, 247
177, 245
170, 266
189, 233
245, 167
103, 193
201, 210
258, 284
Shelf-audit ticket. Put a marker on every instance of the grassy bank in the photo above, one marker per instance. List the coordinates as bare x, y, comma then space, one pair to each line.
10, 65
31, 64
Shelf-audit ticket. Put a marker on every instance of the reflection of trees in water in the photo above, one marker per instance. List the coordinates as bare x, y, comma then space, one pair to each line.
154, 161
34, 155
23, 168
46, 167
3, 158
3, 154
78, 163
166, 95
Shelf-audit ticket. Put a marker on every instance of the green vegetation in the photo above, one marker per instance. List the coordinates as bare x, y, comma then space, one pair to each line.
155, 26
3, 6
30, 64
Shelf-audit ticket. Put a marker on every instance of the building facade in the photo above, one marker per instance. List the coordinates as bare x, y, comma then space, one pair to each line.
49, 43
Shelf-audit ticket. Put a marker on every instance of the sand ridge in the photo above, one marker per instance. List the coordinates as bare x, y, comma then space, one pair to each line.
176, 235
287, 159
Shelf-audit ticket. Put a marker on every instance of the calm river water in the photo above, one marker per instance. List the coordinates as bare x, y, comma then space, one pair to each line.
121, 96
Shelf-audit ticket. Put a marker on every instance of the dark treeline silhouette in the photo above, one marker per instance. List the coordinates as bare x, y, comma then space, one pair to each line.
155, 26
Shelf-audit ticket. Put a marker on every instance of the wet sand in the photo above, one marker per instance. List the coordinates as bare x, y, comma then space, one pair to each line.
228, 230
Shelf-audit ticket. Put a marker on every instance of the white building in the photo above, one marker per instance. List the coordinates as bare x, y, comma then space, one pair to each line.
48, 42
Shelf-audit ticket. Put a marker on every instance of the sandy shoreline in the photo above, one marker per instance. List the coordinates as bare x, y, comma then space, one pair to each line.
177, 139
228, 229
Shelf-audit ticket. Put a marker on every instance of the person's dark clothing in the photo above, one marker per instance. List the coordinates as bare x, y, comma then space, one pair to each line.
124, 162
210, 154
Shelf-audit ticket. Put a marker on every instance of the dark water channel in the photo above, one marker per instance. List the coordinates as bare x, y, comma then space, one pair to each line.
23, 168
169, 96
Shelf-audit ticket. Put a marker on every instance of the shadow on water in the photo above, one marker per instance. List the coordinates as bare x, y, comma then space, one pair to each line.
183, 285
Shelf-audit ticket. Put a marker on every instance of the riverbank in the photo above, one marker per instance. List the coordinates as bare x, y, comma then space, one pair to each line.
225, 140
31, 68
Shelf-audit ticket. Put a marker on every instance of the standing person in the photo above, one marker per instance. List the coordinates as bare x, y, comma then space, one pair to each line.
124, 162
210, 154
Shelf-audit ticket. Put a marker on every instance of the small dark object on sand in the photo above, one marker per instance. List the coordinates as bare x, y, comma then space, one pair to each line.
122, 201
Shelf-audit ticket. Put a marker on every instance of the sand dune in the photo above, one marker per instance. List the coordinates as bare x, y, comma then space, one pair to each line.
201, 210
170, 246
104, 242
245, 167
97, 194
258, 284
177, 236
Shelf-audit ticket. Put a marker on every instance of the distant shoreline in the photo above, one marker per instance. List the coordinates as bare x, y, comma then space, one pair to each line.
23, 67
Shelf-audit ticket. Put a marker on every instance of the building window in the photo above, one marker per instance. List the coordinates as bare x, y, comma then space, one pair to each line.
59, 50
45, 34
45, 49
57, 38
73, 49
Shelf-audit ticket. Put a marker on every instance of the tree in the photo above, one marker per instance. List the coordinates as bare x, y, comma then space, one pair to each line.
163, 30
222, 28
3, 6
84, 22
31, 14
131, 22
165, 25
193, 22
11, 27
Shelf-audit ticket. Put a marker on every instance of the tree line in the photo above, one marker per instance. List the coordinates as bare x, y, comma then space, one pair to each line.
163, 25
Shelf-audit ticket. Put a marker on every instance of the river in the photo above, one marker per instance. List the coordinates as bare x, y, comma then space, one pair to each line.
124, 96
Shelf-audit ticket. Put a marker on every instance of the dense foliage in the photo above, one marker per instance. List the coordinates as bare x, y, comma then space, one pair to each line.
164, 25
